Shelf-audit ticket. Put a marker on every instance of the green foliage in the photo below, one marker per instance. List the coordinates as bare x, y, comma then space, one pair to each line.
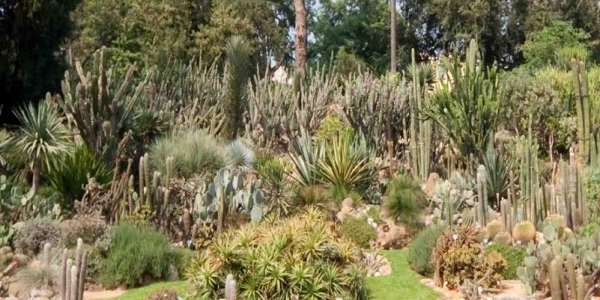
32, 58
237, 75
512, 255
194, 152
592, 190
541, 47
339, 24
405, 201
182, 259
330, 128
349, 64
69, 173
136, 251
374, 213
257, 255
94, 261
497, 168
134, 31
419, 252
358, 231
30, 238
468, 106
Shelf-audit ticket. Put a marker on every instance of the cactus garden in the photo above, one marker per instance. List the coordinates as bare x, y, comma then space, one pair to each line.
299, 149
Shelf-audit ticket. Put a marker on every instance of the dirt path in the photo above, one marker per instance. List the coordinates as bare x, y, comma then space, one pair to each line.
101, 295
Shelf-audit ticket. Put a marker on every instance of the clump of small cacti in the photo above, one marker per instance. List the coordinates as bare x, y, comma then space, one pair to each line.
72, 273
524, 232
503, 238
493, 228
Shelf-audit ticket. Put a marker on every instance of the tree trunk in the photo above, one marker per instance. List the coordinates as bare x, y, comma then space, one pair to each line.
301, 35
35, 182
393, 35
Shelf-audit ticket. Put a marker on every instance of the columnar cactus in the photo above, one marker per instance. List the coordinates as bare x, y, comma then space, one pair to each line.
230, 288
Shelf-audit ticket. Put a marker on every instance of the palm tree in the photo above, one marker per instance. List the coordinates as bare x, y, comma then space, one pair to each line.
41, 137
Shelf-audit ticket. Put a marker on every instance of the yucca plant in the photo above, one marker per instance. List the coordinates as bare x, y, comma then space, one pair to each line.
346, 163
237, 75
69, 173
497, 172
272, 174
41, 137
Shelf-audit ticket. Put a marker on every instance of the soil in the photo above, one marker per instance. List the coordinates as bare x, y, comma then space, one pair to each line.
510, 289
99, 295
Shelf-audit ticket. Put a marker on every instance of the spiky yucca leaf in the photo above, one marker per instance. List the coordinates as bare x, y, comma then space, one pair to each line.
305, 162
239, 156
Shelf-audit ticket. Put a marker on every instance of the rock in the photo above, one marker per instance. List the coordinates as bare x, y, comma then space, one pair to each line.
41, 298
173, 274
429, 187
35, 293
390, 235
348, 205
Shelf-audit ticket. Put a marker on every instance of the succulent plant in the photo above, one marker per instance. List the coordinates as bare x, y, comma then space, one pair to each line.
524, 232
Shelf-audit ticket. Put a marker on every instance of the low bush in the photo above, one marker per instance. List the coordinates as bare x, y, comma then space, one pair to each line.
280, 258
136, 252
358, 231
419, 252
513, 256
88, 227
162, 294
182, 259
30, 238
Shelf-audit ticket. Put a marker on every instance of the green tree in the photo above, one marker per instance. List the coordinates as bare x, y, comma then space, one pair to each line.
542, 46
31, 32
361, 27
135, 31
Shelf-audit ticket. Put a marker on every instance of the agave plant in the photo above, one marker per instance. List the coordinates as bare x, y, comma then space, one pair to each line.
42, 137
238, 156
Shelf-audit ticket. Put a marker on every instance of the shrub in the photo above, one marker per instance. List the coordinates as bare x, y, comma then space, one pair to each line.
94, 264
458, 257
30, 239
315, 196
406, 201
276, 259
136, 251
194, 152
182, 258
68, 174
419, 252
88, 227
162, 294
513, 256
358, 231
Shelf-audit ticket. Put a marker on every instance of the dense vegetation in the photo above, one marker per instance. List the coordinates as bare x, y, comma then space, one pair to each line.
160, 140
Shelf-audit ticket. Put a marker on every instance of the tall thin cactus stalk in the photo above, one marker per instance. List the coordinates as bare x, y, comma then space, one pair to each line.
420, 128
582, 105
